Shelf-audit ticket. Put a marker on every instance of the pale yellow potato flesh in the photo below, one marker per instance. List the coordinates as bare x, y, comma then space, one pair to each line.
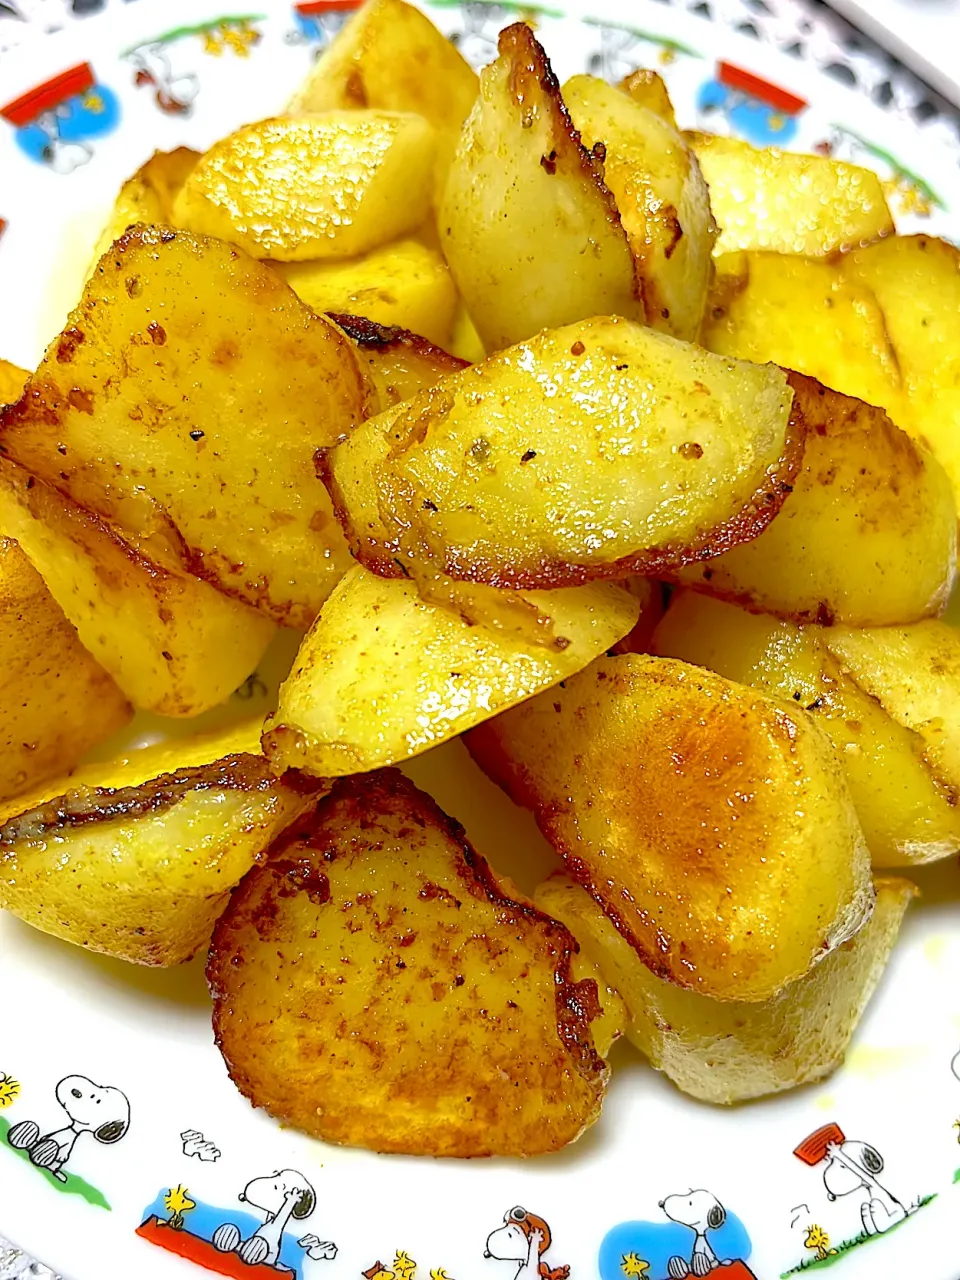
728, 1051
332, 185
864, 486
647, 89
406, 284
662, 198
596, 450
441, 1015
390, 56
12, 381
172, 643
138, 863
711, 823
908, 816
384, 675
56, 700
148, 196
764, 198
399, 363
465, 341
188, 378
530, 230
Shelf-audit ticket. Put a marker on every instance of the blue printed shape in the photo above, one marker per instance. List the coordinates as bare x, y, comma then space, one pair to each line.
657, 1242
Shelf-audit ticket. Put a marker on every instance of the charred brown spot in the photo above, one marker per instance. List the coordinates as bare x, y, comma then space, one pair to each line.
80, 400
690, 450
549, 163
301, 876
158, 335
67, 344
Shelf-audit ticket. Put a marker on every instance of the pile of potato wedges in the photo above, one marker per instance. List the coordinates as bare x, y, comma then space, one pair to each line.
630, 454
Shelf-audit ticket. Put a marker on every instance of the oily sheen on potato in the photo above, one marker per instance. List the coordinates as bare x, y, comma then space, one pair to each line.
711, 823
592, 451
376, 985
530, 230
398, 362
136, 857
726, 1051
864, 486
385, 674
183, 402
907, 810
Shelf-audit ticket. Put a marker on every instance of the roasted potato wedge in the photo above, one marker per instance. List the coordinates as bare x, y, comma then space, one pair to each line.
376, 985
135, 861
173, 644
400, 363
148, 196
662, 198
865, 486
596, 450
323, 186
728, 1051
406, 284
188, 374
711, 823
647, 89
650, 596
465, 341
843, 340
391, 57
764, 198
56, 700
12, 381
384, 675
530, 230
909, 814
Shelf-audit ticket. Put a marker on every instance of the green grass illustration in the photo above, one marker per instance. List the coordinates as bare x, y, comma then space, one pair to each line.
74, 1186
196, 29
811, 1264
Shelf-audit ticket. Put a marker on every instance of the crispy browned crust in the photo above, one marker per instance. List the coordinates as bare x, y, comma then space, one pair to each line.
388, 337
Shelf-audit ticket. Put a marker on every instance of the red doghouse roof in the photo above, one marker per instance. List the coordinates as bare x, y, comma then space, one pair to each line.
50, 94
747, 82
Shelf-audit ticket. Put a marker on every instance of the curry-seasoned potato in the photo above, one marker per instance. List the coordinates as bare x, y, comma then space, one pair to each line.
320, 186
406, 284
183, 402
764, 198
865, 486
400, 363
908, 813
843, 340
148, 196
384, 674
136, 857
662, 198
173, 644
527, 224
647, 89
375, 984
56, 700
12, 381
390, 56
596, 450
727, 1051
711, 822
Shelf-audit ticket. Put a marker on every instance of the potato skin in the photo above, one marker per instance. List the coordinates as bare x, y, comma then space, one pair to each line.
711, 823
401, 363
375, 985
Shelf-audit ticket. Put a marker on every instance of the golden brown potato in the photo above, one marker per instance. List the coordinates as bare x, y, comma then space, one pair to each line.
843, 339
711, 823
188, 377
375, 984
650, 595
868, 537
406, 284
383, 675
728, 1051
135, 858
596, 450
56, 700
400, 363
148, 196
391, 57
465, 341
662, 198
320, 186
647, 89
529, 228
12, 382
764, 198
907, 813
173, 644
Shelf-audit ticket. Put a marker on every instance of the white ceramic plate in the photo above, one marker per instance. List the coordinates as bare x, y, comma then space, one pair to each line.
160, 74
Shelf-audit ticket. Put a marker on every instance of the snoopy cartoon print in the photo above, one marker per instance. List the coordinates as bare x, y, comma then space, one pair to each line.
851, 1168
524, 1239
100, 1110
700, 1237
280, 1196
